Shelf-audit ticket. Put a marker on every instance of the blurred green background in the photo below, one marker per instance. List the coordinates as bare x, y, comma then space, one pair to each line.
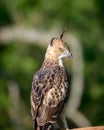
19, 60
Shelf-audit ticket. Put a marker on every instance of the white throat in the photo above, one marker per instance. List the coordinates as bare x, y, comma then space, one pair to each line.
60, 61
66, 53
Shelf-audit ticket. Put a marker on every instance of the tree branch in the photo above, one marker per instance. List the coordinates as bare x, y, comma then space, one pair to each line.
91, 128
85, 128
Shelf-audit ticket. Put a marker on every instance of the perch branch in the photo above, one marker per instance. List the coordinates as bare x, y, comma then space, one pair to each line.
85, 128
90, 128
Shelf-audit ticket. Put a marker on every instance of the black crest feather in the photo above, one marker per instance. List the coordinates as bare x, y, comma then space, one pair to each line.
51, 43
61, 36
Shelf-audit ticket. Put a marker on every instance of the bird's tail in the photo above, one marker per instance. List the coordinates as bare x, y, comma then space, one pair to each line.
35, 125
44, 127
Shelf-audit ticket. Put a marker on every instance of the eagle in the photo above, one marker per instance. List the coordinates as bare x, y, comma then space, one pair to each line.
50, 86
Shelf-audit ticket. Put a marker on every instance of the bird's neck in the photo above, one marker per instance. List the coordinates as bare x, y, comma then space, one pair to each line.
51, 63
52, 59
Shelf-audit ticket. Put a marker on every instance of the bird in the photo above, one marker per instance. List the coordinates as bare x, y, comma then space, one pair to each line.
50, 85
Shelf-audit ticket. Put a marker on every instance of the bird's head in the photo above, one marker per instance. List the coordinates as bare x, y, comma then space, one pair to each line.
58, 49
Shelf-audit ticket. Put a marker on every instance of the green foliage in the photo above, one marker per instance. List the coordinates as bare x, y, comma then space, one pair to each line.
19, 61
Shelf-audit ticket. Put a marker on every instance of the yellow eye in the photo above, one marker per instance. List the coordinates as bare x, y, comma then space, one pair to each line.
61, 49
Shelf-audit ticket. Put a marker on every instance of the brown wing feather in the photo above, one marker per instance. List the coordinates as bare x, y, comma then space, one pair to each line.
39, 87
49, 114
49, 90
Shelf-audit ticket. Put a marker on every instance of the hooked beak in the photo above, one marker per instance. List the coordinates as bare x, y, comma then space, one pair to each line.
70, 55
66, 53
